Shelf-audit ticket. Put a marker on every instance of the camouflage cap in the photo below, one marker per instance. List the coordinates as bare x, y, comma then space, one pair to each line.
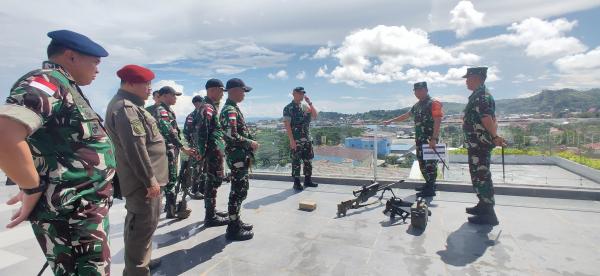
479, 71
419, 85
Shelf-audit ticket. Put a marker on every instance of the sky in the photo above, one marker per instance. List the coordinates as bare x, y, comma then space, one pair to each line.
350, 56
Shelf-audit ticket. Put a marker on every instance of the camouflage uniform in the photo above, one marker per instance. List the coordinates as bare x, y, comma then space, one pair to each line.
423, 114
239, 155
151, 109
299, 117
167, 124
211, 146
190, 135
479, 142
75, 158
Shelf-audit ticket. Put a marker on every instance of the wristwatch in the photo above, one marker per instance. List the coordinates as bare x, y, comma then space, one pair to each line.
42, 187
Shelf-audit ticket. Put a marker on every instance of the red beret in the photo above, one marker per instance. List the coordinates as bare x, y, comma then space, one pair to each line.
135, 74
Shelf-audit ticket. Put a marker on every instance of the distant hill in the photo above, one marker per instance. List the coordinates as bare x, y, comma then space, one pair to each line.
554, 101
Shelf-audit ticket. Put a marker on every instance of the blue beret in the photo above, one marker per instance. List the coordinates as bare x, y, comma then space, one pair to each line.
420, 85
479, 71
77, 42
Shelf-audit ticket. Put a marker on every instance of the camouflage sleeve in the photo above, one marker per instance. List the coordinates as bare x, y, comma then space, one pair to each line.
166, 129
287, 116
187, 128
132, 136
202, 122
32, 101
486, 106
232, 136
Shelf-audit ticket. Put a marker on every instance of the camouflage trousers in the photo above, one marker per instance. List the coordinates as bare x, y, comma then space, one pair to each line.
172, 159
428, 167
213, 167
481, 177
239, 187
76, 243
302, 154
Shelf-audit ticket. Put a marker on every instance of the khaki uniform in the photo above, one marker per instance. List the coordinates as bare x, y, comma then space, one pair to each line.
141, 158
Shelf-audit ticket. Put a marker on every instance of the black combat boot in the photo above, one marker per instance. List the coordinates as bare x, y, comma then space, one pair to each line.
308, 182
475, 210
170, 205
212, 220
236, 233
297, 185
220, 213
246, 226
428, 190
487, 215
182, 211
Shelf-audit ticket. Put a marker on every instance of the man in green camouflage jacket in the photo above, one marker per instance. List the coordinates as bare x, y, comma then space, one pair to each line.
480, 130
211, 150
296, 117
198, 178
240, 148
427, 114
56, 149
167, 124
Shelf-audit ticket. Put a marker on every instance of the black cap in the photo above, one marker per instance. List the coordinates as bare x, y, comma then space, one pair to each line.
213, 83
479, 71
420, 85
154, 93
300, 89
77, 42
196, 99
168, 89
235, 82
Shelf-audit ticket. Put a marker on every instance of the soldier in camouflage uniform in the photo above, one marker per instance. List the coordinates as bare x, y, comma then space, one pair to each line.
189, 133
296, 117
240, 148
480, 130
211, 150
169, 129
427, 114
156, 98
56, 149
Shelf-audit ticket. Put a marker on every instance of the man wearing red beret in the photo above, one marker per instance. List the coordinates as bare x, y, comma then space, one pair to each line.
141, 164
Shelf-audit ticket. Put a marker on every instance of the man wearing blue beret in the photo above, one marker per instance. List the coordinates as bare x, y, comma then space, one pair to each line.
55, 147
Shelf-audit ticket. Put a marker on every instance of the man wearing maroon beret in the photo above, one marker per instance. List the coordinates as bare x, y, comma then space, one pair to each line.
141, 164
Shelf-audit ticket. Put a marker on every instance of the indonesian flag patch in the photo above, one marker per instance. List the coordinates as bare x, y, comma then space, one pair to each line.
164, 113
232, 117
209, 112
42, 83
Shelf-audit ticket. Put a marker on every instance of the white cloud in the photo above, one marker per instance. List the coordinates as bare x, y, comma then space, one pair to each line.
452, 98
322, 53
579, 70
281, 74
465, 18
541, 38
527, 95
384, 53
301, 75
322, 72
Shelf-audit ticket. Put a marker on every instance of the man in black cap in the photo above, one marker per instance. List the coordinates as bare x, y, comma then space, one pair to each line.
167, 123
211, 150
427, 114
55, 148
240, 147
192, 165
296, 117
480, 130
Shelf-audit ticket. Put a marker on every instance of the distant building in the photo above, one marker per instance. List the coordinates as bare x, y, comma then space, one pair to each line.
341, 155
366, 143
401, 149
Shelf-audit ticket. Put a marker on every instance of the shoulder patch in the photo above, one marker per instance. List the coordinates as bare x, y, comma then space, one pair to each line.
42, 82
137, 128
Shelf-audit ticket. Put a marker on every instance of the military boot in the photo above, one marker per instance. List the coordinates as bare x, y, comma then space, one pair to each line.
308, 182
222, 214
475, 210
428, 190
246, 226
212, 220
170, 205
487, 215
182, 211
236, 233
297, 185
